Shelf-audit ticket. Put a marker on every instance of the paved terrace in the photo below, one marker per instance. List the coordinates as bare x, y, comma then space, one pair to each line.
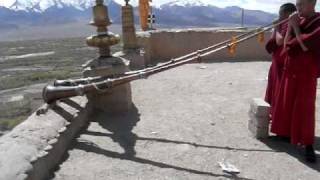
184, 122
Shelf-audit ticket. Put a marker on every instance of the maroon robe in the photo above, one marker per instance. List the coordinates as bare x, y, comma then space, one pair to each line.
276, 68
294, 110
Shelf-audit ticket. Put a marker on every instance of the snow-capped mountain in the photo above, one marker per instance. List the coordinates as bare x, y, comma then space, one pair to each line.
158, 3
186, 3
42, 5
41, 12
14, 13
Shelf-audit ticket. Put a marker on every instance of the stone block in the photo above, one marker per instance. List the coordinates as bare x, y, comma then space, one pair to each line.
259, 118
116, 100
259, 107
258, 132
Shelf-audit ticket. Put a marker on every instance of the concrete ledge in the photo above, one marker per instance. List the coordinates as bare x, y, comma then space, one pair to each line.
35, 147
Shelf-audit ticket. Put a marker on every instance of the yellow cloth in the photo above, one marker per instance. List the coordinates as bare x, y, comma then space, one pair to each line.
261, 37
144, 8
233, 46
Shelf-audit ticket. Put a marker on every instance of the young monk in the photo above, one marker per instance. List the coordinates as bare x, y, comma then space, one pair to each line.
275, 47
293, 115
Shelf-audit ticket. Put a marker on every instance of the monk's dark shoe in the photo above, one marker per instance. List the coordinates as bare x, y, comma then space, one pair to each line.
285, 139
280, 138
310, 155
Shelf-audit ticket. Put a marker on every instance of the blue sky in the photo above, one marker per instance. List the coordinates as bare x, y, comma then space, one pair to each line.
265, 5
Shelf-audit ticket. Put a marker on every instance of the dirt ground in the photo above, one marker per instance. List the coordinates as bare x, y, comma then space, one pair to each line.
183, 123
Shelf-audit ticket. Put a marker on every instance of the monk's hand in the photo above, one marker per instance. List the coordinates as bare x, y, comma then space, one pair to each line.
275, 23
294, 20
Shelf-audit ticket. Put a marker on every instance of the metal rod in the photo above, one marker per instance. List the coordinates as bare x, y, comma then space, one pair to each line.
74, 82
51, 93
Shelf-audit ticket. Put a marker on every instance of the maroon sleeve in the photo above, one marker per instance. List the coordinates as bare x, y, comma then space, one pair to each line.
271, 45
283, 29
311, 40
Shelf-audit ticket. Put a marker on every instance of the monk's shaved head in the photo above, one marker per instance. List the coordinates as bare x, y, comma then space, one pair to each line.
286, 10
313, 1
306, 7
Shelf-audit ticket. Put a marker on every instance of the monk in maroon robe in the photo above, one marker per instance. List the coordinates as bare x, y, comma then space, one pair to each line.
275, 47
294, 110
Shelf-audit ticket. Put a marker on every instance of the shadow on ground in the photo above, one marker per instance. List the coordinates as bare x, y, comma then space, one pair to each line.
120, 128
91, 147
294, 151
162, 140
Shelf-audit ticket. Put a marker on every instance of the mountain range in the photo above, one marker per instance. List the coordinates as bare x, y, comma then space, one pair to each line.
17, 13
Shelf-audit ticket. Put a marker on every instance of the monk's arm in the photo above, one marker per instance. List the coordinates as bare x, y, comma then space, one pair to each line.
287, 37
310, 40
296, 30
279, 39
272, 43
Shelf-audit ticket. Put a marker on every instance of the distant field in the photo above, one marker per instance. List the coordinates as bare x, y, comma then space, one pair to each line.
34, 61
25, 63
78, 29
70, 30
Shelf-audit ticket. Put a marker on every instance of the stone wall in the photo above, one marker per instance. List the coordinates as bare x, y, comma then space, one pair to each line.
35, 147
162, 45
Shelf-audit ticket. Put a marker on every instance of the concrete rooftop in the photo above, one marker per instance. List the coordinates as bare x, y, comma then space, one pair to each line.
184, 122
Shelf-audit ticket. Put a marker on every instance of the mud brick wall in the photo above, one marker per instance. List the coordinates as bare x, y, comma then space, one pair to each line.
162, 45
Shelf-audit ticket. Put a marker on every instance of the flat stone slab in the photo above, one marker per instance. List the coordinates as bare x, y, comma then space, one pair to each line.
186, 120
